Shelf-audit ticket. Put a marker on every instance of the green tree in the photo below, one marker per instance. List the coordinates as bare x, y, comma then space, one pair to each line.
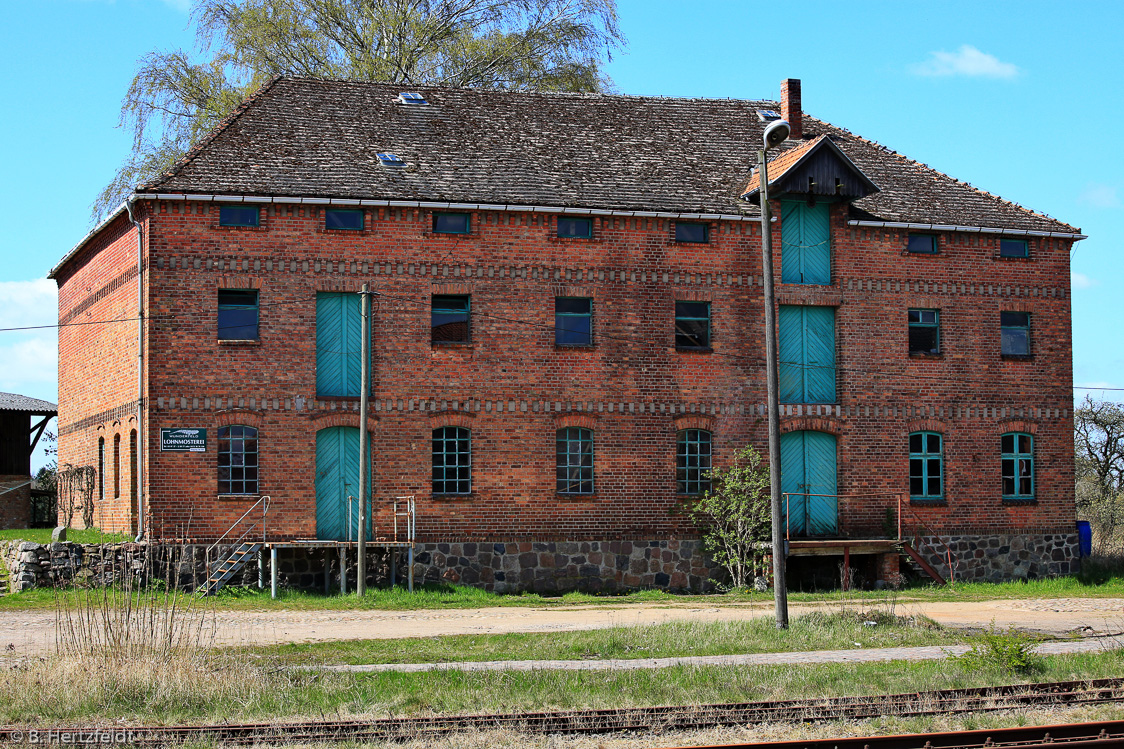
734, 518
1098, 447
176, 97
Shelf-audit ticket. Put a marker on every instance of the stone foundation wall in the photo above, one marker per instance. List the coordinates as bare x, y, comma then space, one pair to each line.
556, 567
1003, 557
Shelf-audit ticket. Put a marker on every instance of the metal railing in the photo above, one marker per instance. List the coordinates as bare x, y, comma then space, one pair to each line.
263, 503
410, 518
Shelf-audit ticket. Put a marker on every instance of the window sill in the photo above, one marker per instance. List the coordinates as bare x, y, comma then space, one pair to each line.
572, 346
694, 349
450, 235
239, 341
238, 228
1020, 501
237, 497
575, 497
452, 497
908, 253
451, 344
926, 502
1017, 357
1016, 258
923, 355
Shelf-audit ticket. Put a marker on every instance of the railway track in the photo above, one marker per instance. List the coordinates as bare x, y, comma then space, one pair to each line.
1072, 693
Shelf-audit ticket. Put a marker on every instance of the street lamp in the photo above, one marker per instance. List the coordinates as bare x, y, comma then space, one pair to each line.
775, 134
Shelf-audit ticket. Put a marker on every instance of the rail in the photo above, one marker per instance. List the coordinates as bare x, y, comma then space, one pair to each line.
932, 534
788, 506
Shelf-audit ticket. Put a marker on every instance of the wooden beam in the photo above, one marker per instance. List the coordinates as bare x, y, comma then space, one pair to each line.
37, 432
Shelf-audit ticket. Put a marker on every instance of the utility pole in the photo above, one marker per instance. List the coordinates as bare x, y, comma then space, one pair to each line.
780, 587
364, 397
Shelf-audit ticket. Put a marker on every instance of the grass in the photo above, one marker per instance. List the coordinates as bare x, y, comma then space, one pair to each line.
43, 536
815, 631
228, 688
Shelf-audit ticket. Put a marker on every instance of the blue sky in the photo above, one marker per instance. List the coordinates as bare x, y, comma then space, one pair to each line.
1018, 98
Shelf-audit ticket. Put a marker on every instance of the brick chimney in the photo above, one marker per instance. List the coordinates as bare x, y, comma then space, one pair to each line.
790, 107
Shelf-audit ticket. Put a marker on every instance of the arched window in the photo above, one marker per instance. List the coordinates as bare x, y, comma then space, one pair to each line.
101, 468
692, 461
238, 460
116, 466
1018, 465
133, 466
926, 466
452, 460
574, 473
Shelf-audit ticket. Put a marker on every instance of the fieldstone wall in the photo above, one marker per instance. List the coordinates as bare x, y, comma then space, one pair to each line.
31, 565
556, 567
1003, 557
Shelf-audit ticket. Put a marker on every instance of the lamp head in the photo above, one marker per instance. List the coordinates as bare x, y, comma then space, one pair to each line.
776, 133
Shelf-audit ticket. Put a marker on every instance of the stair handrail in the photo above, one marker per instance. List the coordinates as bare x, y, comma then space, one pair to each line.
932, 533
409, 515
264, 502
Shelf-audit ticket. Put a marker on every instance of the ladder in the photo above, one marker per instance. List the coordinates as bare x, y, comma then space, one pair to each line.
227, 568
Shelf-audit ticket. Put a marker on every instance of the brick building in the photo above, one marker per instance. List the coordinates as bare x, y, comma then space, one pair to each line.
22, 422
568, 331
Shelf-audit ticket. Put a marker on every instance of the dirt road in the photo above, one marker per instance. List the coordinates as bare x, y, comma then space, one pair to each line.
32, 632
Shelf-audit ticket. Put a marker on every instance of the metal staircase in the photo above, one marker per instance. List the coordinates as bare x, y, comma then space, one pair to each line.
245, 547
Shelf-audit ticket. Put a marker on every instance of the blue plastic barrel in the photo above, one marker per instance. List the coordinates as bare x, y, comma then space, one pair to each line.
1084, 538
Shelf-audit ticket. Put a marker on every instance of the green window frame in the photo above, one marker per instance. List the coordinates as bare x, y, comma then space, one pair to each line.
693, 461
452, 460
1012, 247
238, 315
574, 469
451, 318
924, 331
1014, 333
692, 325
343, 219
922, 244
238, 460
1017, 465
926, 466
239, 215
574, 228
452, 223
573, 321
687, 232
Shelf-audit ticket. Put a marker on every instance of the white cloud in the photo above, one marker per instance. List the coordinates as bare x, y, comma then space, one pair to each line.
30, 366
966, 61
25, 303
1081, 281
1099, 196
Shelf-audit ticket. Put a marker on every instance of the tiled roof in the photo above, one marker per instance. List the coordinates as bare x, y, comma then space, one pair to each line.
312, 138
13, 402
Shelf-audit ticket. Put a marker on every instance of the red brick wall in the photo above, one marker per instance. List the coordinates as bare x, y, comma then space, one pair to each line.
98, 370
15, 502
514, 267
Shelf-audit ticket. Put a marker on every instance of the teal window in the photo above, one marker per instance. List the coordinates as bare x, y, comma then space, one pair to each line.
573, 321
1018, 465
926, 466
341, 218
806, 338
339, 346
692, 461
1013, 247
574, 473
692, 325
452, 460
451, 223
239, 215
805, 242
924, 331
238, 460
238, 315
691, 233
575, 228
922, 244
450, 319
1014, 333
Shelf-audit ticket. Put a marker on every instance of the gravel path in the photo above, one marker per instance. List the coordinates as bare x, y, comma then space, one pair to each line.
864, 655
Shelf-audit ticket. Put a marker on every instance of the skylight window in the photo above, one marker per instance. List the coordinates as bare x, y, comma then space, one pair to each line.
391, 159
768, 115
411, 97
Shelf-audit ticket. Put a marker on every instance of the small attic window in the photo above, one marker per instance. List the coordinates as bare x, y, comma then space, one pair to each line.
768, 115
412, 97
391, 159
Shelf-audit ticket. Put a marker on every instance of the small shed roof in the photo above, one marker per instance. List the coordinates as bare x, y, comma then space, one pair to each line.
32, 406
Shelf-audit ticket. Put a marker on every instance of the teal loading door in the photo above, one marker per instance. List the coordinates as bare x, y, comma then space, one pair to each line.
337, 476
805, 242
339, 341
806, 337
808, 467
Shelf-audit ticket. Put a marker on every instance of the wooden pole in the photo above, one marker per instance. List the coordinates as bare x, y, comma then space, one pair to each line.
364, 396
